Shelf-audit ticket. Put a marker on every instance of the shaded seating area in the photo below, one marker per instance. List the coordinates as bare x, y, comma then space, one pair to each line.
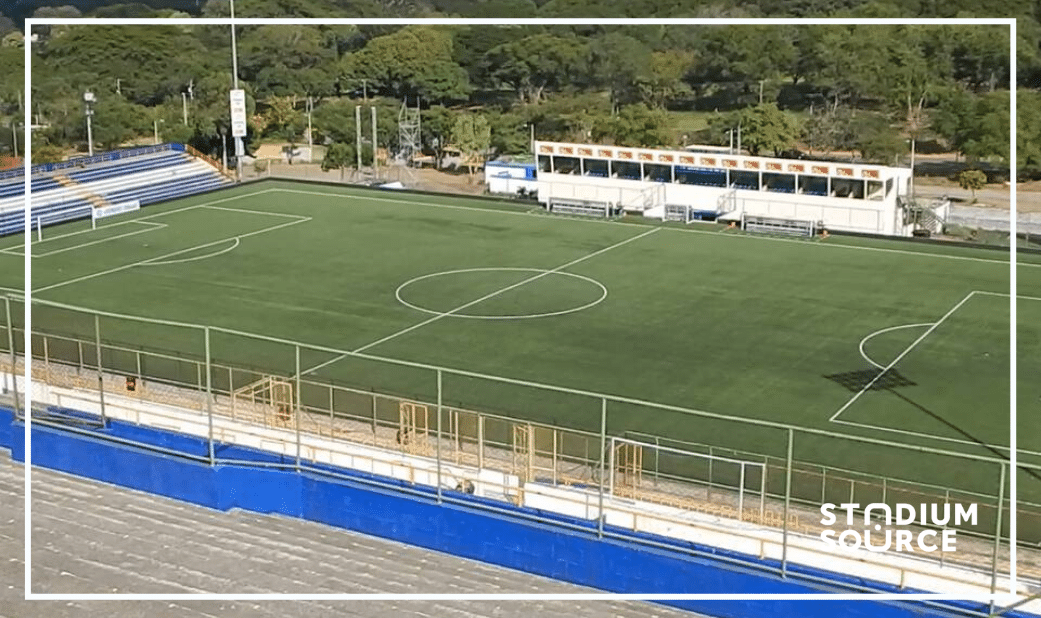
66, 191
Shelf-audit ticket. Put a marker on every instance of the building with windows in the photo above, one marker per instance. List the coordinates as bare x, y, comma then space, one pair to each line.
848, 197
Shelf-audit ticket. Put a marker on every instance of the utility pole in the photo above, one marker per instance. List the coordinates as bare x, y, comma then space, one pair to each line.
357, 131
310, 139
375, 161
184, 107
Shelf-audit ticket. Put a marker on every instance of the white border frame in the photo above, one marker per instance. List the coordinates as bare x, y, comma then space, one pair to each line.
999, 597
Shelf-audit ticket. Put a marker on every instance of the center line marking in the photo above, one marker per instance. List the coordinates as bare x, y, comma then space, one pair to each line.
479, 300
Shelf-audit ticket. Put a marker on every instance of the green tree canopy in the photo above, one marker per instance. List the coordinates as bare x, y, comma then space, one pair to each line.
765, 128
150, 62
414, 61
473, 137
535, 63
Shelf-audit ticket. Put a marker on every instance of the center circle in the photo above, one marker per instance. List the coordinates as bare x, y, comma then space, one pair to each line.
536, 274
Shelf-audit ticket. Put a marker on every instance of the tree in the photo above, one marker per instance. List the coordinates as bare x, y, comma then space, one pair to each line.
1028, 129
975, 125
641, 127
437, 124
874, 137
334, 121
535, 63
287, 60
748, 55
472, 136
414, 61
664, 81
766, 128
151, 63
617, 63
338, 156
509, 133
973, 180
282, 118
47, 153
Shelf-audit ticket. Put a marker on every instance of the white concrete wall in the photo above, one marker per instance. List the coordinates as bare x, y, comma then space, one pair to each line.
671, 522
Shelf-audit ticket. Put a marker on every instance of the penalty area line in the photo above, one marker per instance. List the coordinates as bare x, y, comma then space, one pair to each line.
168, 255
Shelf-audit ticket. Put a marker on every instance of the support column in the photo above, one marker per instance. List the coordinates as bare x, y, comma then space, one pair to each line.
603, 463
101, 376
787, 501
209, 398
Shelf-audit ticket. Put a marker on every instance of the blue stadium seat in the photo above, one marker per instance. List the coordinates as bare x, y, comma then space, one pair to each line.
117, 179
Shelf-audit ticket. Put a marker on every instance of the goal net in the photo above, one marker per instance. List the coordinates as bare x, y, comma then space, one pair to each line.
61, 216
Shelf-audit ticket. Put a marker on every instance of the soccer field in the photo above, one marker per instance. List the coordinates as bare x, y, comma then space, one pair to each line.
860, 337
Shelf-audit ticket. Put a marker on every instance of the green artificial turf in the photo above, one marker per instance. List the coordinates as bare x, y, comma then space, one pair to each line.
698, 317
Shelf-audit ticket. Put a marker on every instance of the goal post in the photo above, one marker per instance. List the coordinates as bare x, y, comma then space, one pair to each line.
71, 214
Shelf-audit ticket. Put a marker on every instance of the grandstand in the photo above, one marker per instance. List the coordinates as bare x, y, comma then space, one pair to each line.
704, 184
73, 189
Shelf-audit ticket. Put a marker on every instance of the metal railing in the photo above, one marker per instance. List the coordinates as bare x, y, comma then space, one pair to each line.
430, 413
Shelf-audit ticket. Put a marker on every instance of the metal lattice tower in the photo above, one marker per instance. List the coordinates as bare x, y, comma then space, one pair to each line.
409, 136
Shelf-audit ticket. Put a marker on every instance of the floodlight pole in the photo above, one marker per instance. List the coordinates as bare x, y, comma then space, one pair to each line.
88, 101
239, 149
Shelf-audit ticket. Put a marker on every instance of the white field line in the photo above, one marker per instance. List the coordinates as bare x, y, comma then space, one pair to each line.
168, 255
883, 331
932, 436
667, 228
906, 351
254, 212
170, 212
481, 299
1006, 295
233, 246
86, 231
152, 227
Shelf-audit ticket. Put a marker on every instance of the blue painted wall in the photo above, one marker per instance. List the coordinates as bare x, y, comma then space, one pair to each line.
507, 538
